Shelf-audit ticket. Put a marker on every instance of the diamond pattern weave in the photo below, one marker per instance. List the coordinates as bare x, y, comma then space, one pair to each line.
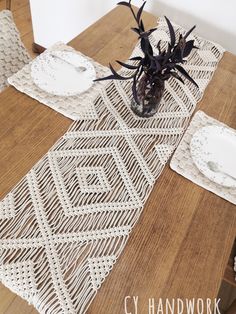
65, 224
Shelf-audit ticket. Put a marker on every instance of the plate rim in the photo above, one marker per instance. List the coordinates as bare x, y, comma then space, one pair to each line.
226, 129
65, 94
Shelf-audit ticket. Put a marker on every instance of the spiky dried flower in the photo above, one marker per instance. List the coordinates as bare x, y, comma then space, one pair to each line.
160, 66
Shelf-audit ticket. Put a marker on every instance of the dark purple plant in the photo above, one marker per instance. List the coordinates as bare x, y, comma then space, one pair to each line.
156, 67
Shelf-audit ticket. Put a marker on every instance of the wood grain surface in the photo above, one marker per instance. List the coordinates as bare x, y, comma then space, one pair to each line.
182, 242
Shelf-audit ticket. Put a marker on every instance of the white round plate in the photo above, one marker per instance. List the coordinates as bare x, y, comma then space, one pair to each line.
58, 77
216, 144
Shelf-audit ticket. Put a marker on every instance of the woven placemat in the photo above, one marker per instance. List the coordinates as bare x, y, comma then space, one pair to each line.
74, 107
182, 162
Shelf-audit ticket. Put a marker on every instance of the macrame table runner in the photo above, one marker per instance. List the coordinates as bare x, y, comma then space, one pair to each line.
182, 161
66, 223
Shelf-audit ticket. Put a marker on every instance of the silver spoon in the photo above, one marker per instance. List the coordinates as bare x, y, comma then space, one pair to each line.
213, 166
77, 68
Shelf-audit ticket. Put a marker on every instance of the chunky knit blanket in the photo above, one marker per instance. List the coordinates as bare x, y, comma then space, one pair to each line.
13, 55
65, 224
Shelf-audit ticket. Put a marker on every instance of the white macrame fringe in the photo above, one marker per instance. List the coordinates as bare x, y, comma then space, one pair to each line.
65, 224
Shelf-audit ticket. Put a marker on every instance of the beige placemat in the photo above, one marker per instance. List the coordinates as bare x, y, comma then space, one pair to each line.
182, 161
74, 107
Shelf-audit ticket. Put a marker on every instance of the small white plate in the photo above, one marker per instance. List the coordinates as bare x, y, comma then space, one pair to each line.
216, 144
58, 77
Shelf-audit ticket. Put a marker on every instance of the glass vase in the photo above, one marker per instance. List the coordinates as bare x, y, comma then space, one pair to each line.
149, 96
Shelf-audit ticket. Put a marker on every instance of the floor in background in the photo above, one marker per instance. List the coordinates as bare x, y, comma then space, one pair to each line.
227, 294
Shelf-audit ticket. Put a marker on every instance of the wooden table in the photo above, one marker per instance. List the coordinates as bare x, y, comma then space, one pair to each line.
182, 242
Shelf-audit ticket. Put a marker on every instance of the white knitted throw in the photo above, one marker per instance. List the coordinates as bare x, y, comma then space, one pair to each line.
13, 55
65, 224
